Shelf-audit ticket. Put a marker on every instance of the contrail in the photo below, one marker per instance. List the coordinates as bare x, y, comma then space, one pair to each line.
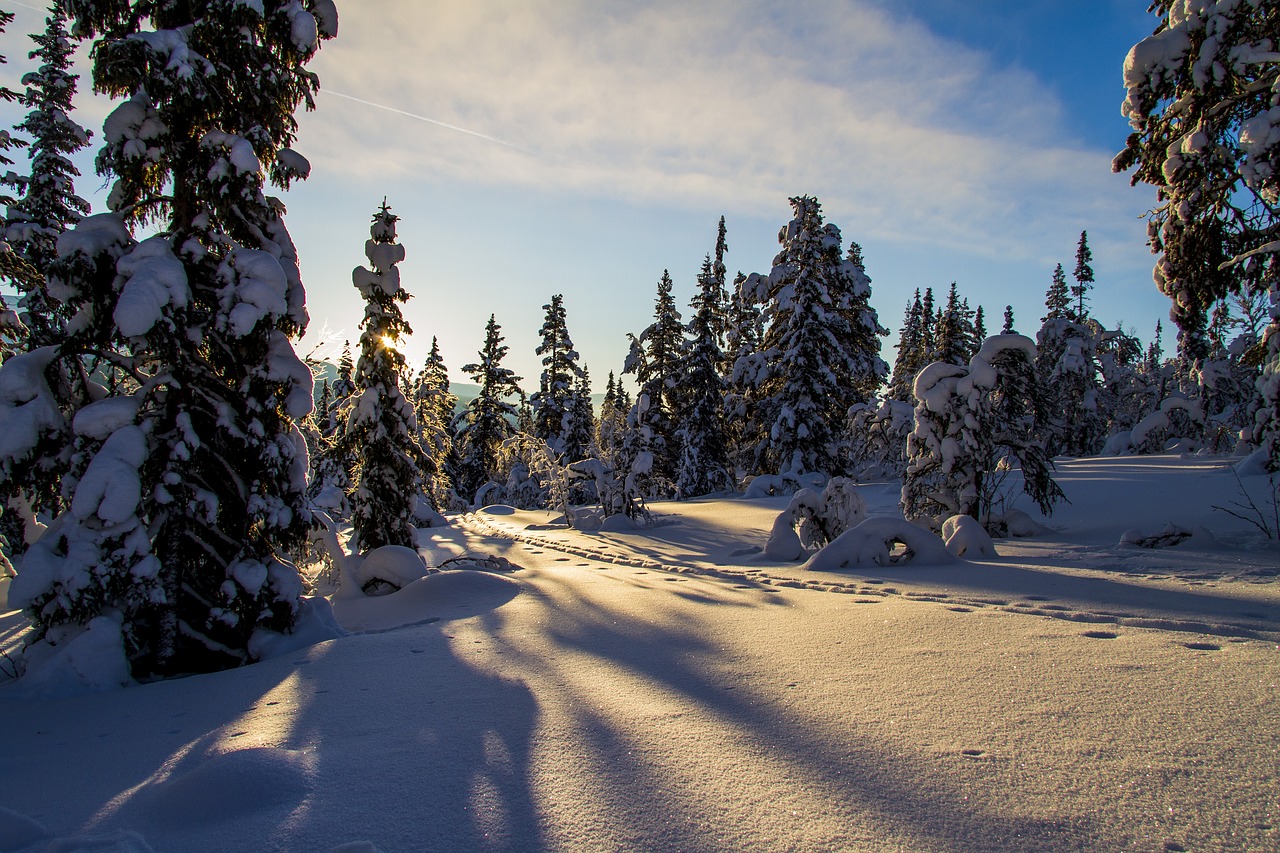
448, 126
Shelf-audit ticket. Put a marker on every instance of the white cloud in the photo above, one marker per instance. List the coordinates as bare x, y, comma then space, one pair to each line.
716, 105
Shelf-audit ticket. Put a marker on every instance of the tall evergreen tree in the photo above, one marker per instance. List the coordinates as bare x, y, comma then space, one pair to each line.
979, 328
911, 351
654, 360
434, 406
189, 496
611, 425
953, 337
1155, 350
1083, 277
490, 417
703, 465
742, 356
928, 327
12, 266
580, 419
821, 345
720, 309
1057, 299
382, 429
553, 400
344, 385
49, 204
1007, 328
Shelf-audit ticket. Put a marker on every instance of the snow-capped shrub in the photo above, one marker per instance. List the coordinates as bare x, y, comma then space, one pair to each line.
878, 438
811, 520
881, 542
967, 420
1178, 422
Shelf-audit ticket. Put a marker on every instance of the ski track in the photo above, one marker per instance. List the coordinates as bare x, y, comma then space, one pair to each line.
875, 590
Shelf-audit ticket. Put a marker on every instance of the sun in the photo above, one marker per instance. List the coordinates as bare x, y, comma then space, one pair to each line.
391, 343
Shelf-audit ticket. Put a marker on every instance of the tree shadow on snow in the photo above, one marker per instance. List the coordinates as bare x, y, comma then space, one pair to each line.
646, 772
390, 738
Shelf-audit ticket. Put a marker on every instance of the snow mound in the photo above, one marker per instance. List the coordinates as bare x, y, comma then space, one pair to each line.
962, 534
426, 516
875, 542
315, 624
1017, 524
443, 595
393, 566
74, 661
784, 543
231, 784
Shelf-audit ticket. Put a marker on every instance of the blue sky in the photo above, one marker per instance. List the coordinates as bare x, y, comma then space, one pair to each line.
582, 147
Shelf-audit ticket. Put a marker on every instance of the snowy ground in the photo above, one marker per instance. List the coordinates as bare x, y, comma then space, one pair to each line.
671, 689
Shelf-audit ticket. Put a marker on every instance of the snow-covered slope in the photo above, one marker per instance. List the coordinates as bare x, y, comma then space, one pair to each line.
672, 689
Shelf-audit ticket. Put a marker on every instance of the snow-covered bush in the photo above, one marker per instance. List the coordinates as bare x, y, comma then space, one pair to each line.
881, 542
1177, 425
811, 520
968, 419
878, 438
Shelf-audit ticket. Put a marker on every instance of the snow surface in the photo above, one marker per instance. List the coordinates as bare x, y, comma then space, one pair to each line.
671, 688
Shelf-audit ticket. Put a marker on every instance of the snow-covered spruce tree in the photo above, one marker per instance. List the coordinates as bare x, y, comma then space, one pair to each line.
1083, 276
381, 432
1067, 365
878, 438
703, 464
654, 359
434, 406
552, 401
966, 420
743, 362
490, 417
49, 204
929, 318
611, 425
821, 345
189, 491
1057, 299
911, 355
580, 433
720, 304
1125, 392
1204, 106
12, 266
344, 385
955, 337
1226, 381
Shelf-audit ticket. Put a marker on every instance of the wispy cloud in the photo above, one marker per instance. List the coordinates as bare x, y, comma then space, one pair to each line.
718, 105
